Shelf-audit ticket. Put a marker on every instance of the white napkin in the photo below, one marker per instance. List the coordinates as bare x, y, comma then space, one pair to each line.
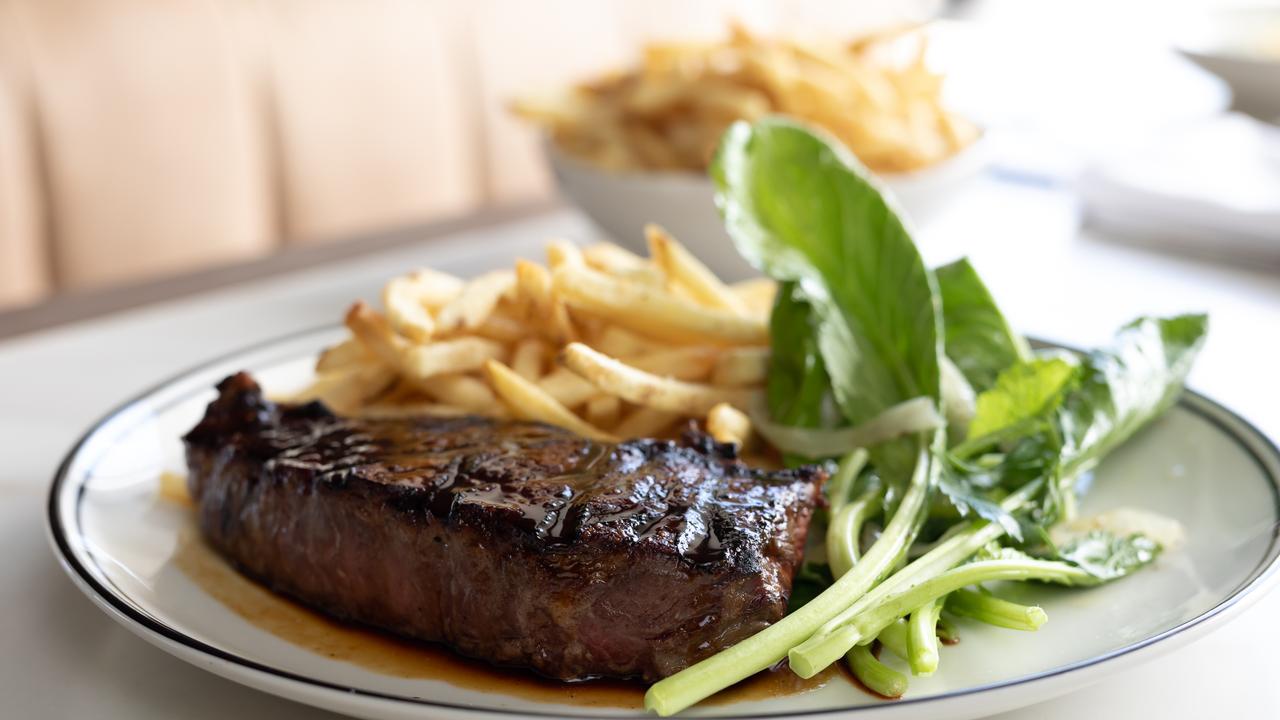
1212, 187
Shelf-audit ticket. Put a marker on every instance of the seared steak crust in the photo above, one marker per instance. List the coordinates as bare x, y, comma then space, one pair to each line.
514, 542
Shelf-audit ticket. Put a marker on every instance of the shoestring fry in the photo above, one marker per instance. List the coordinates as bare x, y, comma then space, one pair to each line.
599, 340
876, 94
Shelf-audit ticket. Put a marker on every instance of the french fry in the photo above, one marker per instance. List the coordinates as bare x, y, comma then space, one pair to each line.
503, 327
649, 311
757, 295
662, 334
619, 342
434, 288
405, 310
461, 391
173, 488
603, 410
347, 389
383, 410
645, 422
418, 362
475, 303
741, 366
527, 401
681, 363
401, 391
527, 358
642, 388
728, 424
546, 310
875, 94
567, 387
562, 253
345, 354
614, 260
687, 271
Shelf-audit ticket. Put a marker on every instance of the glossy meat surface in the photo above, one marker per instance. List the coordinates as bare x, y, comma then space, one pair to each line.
514, 542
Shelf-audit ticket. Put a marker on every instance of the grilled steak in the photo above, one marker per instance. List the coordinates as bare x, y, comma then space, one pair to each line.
514, 542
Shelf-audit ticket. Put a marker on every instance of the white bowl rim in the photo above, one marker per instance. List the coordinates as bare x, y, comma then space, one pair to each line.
558, 155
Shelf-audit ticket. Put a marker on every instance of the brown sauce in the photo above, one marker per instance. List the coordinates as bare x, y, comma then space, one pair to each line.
389, 655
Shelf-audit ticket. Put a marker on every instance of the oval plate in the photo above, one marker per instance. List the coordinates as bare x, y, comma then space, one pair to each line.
1201, 464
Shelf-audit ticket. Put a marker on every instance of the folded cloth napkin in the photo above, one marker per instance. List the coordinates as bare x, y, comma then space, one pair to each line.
1211, 187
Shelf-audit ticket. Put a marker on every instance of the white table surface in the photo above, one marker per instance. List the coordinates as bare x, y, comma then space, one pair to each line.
61, 658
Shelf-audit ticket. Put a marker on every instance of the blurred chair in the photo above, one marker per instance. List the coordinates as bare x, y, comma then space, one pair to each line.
140, 138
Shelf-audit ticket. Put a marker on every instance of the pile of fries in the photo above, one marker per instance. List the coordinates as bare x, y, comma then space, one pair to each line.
670, 112
599, 341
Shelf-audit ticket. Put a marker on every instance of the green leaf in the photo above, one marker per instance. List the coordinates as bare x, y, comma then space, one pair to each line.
1107, 556
978, 338
800, 208
797, 384
968, 498
1126, 386
797, 388
1023, 395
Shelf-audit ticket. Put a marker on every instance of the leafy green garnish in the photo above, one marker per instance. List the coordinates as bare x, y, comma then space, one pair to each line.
858, 328
1107, 556
978, 338
1023, 394
967, 497
797, 383
1125, 386
1020, 403
800, 208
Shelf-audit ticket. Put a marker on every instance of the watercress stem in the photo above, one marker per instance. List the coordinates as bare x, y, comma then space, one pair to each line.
703, 679
831, 635
922, 638
994, 611
878, 677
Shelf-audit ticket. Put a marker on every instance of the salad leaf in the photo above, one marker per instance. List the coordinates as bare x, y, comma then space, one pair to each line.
1103, 555
800, 208
1023, 394
1116, 391
1127, 385
901, 420
1107, 556
797, 384
858, 329
958, 398
978, 338
967, 498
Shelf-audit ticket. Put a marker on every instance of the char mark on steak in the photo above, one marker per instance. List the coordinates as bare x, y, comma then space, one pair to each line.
514, 542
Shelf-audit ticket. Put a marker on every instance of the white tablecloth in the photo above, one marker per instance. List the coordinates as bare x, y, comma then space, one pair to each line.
60, 657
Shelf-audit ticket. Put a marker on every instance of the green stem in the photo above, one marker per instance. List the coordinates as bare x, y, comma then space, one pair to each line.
946, 555
846, 529
808, 659
947, 631
841, 484
922, 638
878, 677
894, 639
703, 679
994, 611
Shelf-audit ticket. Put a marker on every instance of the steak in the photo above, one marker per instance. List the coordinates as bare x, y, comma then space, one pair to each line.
514, 542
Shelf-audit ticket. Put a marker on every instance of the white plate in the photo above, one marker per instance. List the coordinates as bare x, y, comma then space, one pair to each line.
124, 547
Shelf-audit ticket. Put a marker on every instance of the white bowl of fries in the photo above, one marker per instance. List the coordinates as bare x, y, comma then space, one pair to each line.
621, 203
633, 146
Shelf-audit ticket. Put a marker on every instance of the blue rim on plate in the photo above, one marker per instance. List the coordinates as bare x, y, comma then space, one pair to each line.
1253, 441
